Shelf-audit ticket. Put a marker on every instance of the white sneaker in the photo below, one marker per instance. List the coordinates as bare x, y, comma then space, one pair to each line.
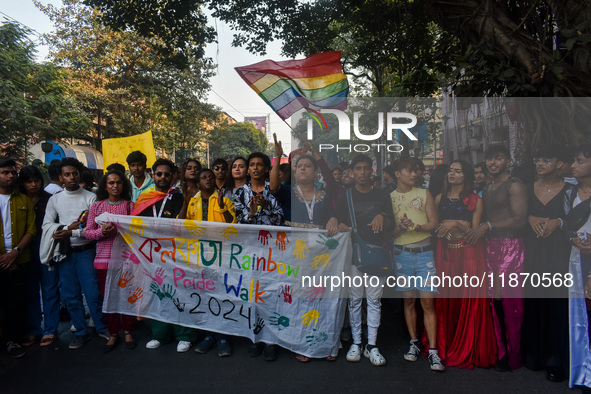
375, 356
153, 344
183, 346
354, 353
73, 328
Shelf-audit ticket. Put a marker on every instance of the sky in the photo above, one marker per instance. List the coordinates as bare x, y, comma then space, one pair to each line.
228, 90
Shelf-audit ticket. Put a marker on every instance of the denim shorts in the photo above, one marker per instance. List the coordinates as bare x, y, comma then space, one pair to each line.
418, 268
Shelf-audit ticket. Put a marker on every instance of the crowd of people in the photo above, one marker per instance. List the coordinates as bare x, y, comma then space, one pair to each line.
478, 220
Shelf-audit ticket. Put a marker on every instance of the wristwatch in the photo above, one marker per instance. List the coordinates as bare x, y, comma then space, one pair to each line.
18, 250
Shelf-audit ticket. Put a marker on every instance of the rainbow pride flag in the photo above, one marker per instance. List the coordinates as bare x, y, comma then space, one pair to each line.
315, 82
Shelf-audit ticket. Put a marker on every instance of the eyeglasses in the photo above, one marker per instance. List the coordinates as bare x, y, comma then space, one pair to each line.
160, 174
219, 168
546, 162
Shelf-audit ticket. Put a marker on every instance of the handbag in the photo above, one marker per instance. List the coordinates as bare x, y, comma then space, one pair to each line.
367, 257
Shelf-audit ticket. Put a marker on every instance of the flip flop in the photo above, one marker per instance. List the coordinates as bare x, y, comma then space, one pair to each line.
301, 358
48, 340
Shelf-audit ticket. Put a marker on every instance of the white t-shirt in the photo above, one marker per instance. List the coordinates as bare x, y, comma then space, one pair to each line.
52, 188
5, 213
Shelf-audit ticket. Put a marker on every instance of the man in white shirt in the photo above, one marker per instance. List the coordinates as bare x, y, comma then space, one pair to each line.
53, 170
76, 271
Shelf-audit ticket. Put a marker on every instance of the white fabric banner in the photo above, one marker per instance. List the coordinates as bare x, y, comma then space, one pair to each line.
234, 279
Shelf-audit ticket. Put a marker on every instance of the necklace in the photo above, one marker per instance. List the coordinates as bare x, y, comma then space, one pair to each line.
114, 203
309, 207
548, 189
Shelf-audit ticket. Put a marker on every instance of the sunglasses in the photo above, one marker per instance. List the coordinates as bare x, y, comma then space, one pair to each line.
219, 168
163, 174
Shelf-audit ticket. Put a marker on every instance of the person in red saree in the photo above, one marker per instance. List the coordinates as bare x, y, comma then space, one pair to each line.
465, 337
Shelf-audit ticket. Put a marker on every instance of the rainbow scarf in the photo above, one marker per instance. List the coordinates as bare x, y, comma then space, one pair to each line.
315, 82
146, 200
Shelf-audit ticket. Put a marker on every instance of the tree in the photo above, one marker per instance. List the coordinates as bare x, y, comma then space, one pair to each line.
177, 27
236, 139
122, 80
35, 104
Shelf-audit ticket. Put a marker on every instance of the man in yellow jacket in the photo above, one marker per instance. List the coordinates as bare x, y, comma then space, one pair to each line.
209, 204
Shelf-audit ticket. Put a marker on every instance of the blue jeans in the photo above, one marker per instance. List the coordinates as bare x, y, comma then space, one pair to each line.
51, 299
77, 273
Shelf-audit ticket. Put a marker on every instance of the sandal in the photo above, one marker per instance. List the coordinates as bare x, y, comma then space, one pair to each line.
331, 358
48, 340
301, 358
130, 344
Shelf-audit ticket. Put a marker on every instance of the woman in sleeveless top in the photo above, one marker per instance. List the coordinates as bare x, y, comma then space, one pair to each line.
465, 332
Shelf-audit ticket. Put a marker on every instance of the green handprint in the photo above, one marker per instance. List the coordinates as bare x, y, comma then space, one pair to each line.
330, 243
277, 320
156, 290
316, 338
169, 291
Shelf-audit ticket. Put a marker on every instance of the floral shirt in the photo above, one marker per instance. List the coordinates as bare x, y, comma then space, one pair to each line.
272, 215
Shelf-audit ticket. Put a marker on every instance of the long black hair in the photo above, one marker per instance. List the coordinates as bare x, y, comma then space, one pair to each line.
468, 171
102, 194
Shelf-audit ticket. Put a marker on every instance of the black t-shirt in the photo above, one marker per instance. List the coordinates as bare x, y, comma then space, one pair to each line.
367, 206
172, 208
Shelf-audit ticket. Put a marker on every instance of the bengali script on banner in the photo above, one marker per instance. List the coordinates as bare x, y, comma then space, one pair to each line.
234, 279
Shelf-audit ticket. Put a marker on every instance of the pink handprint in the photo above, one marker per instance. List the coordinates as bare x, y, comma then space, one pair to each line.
125, 278
281, 240
137, 294
264, 237
314, 292
158, 275
286, 292
130, 256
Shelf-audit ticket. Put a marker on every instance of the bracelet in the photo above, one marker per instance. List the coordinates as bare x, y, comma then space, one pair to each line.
489, 226
561, 223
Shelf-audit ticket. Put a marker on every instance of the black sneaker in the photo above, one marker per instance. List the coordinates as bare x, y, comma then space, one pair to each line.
79, 341
205, 345
15, 350
270, 352
255, 349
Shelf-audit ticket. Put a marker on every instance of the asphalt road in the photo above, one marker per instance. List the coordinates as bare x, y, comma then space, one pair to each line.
56, 369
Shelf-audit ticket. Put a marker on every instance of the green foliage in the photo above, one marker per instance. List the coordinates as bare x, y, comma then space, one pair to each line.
177, 27
124, 81
35, 103
236, 139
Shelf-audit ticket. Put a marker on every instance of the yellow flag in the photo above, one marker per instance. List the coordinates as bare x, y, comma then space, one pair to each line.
115, 150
